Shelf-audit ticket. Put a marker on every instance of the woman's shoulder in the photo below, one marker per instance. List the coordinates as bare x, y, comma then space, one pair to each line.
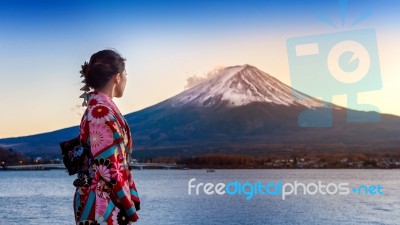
101, 109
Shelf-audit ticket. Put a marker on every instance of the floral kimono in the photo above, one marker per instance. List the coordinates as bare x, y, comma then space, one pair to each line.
106, 192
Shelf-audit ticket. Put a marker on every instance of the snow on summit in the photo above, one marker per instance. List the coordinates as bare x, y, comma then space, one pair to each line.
241, 85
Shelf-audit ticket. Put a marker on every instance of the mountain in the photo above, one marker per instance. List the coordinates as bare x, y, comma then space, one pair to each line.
239, 110
45, 144
241, 85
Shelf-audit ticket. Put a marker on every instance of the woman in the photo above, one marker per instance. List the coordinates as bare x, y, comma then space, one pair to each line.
106, 192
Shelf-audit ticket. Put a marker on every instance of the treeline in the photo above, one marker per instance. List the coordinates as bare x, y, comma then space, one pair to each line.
221, 161
9, 157
304, 160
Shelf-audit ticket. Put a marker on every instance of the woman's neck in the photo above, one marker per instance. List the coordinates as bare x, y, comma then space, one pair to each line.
107, 91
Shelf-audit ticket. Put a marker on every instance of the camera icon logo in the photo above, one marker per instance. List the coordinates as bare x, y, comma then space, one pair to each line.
335, 64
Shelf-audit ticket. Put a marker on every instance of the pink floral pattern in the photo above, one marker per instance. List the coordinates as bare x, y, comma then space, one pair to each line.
101, 206
117, 172
94, 100
102, 183
104, 172
101, 136
100, 114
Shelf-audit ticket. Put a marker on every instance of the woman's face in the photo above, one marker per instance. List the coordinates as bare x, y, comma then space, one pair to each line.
120, 88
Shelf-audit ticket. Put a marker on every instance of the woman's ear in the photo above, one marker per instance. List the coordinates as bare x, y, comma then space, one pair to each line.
117, 78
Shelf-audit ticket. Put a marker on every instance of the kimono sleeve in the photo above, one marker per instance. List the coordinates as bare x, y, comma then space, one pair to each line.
112, 176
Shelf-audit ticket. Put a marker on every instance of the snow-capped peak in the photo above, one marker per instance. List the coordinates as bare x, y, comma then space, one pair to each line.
241, 85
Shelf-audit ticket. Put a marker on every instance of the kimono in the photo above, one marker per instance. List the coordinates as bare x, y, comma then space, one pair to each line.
106, 192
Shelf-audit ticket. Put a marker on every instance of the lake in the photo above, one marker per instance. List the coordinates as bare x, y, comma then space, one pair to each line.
45, 197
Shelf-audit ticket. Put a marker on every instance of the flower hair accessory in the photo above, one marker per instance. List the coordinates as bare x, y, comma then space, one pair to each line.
85, 88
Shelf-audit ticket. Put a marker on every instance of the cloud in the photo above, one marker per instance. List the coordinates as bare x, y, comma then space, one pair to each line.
193, 80
78, 110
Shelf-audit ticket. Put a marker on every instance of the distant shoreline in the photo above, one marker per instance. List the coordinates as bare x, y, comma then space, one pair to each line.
35, 168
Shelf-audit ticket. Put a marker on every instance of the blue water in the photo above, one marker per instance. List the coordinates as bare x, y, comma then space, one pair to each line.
45, 197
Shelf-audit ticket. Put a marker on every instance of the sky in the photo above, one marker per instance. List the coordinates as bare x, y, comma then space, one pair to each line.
44, 43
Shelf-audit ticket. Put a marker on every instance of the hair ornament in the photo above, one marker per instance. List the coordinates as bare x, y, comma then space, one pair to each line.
85, 88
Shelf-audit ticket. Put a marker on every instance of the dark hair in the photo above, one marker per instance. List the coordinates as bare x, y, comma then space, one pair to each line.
103, 65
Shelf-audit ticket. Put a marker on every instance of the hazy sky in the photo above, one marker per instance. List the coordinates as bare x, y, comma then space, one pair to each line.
43, 44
